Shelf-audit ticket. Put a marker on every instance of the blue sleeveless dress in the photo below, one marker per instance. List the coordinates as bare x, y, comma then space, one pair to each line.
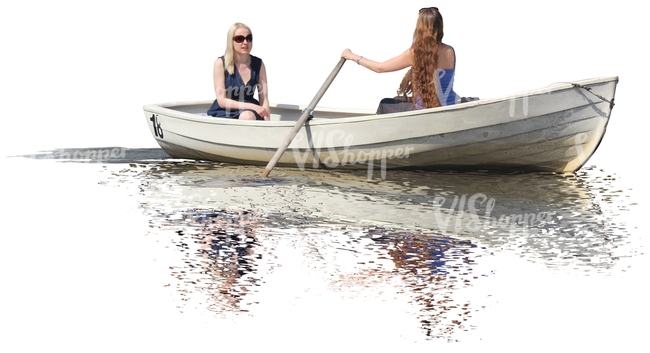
445, 78
237, 90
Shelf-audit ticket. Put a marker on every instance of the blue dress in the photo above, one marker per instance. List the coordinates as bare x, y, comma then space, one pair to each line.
445, 79
237, 90
446, 95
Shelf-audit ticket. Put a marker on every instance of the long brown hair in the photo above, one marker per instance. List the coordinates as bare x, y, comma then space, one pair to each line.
426, 42
405, 89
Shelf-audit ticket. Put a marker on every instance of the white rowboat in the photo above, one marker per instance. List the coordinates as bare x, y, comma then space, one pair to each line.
556, 129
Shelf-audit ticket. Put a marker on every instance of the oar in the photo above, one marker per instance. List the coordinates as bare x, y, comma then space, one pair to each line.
305, 115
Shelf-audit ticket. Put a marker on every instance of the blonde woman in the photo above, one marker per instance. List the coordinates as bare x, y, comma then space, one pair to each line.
238, 75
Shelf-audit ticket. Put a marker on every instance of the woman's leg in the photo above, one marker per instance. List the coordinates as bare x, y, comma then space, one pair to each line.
394, 105
249, 115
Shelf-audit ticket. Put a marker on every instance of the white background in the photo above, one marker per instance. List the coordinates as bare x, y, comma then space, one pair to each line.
76, 74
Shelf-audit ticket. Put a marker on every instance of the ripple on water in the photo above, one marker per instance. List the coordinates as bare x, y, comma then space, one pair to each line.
410, 238
228, 257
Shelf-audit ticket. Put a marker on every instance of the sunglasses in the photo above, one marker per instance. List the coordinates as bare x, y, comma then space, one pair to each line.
428, 8
240, 39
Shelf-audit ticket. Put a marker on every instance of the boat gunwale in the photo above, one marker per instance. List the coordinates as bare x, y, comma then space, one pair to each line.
167, 108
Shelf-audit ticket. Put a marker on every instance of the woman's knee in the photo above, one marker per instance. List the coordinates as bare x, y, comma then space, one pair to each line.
247, 115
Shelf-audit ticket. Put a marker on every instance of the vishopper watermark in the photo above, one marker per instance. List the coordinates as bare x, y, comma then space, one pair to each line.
474, 213
345, 156
89, 155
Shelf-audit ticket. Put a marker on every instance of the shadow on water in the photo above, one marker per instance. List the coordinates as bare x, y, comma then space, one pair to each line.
102, 155
421, 233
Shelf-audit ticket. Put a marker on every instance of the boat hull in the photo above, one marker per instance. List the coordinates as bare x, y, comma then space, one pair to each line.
554, 129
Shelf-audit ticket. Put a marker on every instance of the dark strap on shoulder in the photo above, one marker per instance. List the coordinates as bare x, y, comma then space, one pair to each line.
256, 63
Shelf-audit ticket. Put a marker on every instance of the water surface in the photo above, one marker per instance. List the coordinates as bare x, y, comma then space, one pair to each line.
176, 250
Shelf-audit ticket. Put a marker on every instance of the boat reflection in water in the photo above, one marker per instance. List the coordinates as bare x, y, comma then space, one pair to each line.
420, 235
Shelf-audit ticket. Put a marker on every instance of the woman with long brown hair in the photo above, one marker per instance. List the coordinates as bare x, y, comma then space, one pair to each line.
429, 83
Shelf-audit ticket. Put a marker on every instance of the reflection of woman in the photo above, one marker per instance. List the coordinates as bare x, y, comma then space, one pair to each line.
228, 246
416, 252
232, 251
237, 75
432, 267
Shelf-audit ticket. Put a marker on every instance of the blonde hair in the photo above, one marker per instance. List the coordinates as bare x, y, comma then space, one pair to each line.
230, 51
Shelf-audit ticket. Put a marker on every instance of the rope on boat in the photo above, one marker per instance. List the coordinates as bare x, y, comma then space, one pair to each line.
588, 89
